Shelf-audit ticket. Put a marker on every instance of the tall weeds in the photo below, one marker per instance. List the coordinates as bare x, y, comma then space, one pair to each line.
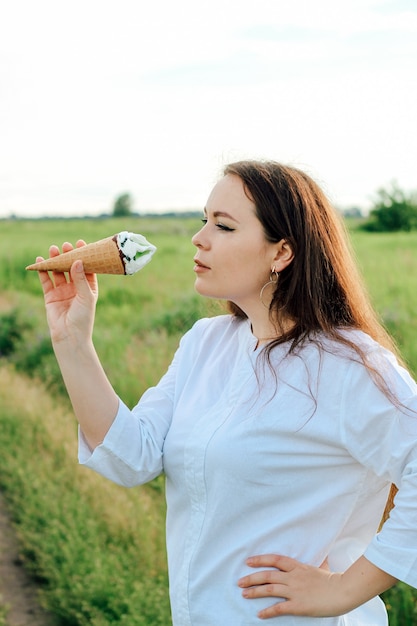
96, 550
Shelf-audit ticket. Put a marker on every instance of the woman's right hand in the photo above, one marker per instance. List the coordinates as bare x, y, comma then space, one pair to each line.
70, 301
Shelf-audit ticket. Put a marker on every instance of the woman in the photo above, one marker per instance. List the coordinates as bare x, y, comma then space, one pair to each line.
280, 427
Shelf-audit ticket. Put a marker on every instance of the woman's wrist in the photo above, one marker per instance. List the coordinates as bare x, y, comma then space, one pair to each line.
363, 581
72, 348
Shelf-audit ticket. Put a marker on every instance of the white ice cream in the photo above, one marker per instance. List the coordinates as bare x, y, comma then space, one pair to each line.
135, 249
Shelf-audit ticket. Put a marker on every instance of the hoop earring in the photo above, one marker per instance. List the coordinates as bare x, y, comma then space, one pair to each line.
273, 280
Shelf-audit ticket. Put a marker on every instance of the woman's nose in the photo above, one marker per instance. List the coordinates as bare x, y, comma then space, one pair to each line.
199, 240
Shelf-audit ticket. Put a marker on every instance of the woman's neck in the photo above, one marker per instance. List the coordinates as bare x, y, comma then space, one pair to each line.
266, 330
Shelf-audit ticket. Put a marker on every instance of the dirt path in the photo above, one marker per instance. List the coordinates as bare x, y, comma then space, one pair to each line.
17, 590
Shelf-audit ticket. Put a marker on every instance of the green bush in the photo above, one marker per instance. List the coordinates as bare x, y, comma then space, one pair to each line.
180, 318
393, 210
401, 603
29, 349
36, 359
12, 328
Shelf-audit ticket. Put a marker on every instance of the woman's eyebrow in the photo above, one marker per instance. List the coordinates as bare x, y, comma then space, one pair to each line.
222, 214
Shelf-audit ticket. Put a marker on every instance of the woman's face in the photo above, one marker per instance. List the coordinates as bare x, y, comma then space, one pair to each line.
233, 259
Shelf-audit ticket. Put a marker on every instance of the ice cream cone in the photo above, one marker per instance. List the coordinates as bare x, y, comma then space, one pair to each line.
100, 257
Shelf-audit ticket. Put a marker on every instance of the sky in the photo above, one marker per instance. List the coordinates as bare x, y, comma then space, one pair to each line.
102, 97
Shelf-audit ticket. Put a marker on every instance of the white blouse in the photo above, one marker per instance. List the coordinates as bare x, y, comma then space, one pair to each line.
299, 464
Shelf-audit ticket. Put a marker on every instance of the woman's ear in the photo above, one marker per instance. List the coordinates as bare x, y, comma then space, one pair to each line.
284, 255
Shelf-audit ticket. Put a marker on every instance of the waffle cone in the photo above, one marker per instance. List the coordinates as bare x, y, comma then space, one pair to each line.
100, 257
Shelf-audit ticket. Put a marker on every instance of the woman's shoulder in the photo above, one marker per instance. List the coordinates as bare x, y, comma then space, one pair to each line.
364, 356
348, 349
352, 342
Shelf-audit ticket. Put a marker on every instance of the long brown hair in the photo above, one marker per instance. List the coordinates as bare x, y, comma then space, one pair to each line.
321, 289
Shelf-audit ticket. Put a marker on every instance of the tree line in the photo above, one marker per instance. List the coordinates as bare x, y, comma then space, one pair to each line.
393, 210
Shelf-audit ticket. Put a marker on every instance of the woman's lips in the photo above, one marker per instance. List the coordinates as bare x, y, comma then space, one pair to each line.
199, 266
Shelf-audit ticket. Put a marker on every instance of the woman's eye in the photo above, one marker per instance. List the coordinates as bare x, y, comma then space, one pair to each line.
218, 225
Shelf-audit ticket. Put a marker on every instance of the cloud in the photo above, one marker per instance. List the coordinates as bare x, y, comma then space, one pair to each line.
101, 97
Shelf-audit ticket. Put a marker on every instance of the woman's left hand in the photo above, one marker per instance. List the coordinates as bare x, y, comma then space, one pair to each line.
302, 589
312, 591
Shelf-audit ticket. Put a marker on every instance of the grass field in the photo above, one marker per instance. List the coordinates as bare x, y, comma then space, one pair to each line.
97, 550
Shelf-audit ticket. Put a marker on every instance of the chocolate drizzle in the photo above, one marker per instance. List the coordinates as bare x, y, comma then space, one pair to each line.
122, 256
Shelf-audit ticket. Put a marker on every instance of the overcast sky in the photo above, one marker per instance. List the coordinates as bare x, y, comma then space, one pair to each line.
100, 97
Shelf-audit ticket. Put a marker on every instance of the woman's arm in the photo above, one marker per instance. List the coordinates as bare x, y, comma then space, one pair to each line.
312, 591
70, 306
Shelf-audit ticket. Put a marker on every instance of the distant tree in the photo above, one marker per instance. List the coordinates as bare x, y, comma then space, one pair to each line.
123, 205
393, 210
353, 211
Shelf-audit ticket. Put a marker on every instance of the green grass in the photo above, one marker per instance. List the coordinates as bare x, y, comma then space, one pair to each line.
4, 609
389, 265
97, 550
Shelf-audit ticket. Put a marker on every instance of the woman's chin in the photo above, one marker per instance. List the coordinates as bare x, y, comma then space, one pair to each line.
206, 293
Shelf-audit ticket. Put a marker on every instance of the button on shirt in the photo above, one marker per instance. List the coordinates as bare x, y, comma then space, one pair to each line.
297, 461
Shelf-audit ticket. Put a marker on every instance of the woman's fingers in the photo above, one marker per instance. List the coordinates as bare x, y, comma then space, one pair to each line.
265, 577
45, 280
59, 277
84, 283
300, 589
279, 608
284, 563
270, 583
279, 563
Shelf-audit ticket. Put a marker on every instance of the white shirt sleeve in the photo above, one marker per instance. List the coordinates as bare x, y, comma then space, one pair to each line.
132, 451
384, 438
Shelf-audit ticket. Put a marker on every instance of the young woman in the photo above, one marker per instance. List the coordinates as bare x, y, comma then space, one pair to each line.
280, 428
